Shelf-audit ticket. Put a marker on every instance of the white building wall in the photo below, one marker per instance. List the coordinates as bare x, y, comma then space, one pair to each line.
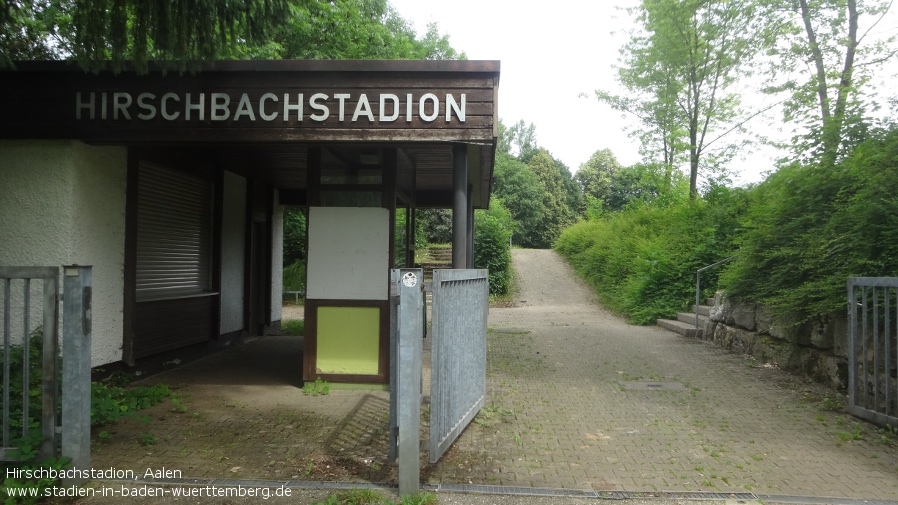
35, 202
277, 259
98, 239
63, 202
233, 250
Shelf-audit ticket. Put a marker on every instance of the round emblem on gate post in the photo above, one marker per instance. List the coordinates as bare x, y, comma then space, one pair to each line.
410, 280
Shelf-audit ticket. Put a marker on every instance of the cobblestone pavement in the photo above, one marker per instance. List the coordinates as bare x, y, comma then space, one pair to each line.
577, 399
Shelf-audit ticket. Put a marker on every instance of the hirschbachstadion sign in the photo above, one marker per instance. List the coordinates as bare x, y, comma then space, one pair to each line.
269, 107
256, 101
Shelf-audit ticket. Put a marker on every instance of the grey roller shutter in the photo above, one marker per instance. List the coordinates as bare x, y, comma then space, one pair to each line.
174, 223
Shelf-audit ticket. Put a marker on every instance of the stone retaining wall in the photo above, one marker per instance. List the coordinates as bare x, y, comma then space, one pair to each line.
817, 349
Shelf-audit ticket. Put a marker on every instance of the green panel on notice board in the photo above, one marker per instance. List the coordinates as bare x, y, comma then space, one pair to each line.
348, 340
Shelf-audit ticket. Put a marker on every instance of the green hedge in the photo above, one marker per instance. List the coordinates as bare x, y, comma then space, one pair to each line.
642, 260
492, 249
812, 226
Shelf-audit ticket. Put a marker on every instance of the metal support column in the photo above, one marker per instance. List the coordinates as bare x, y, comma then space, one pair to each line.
469, 248
76, 347
459, 205
406, 292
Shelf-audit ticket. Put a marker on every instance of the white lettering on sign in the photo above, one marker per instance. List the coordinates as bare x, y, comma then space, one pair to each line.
220, 106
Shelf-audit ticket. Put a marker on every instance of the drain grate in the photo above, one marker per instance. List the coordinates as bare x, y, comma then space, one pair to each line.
653, 386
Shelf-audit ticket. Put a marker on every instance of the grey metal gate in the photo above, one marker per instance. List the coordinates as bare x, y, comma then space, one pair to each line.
17, 320
458, 362
872, 348
406, 368
458, 354
47, 290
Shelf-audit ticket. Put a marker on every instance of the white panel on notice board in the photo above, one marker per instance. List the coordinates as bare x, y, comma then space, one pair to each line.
349, 253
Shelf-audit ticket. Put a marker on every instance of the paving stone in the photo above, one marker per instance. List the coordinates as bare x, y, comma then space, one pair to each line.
572, 425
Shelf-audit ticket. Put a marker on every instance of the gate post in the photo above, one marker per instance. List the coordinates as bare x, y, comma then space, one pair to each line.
407, 372
76, 337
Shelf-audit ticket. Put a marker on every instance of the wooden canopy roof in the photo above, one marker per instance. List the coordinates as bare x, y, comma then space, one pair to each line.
258, 118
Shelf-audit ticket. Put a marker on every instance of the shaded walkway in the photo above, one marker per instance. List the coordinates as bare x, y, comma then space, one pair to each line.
577, 399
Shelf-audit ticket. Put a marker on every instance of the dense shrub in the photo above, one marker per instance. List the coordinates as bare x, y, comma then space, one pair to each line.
16, 383
492, 232
295, 229
642, 260
811, 226
435, 225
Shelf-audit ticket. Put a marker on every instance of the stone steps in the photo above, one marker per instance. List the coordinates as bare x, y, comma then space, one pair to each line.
684, 324
689, 317
438, 257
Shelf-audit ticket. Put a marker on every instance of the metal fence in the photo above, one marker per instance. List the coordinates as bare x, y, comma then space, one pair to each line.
18, 292
458, 354
872, 348
19, 330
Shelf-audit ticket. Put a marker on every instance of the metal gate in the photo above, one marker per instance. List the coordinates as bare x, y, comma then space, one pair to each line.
458, 362
18, 334
872, 347
458, 354
18, 292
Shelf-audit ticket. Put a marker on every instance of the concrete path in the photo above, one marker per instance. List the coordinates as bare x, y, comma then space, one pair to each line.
578, 399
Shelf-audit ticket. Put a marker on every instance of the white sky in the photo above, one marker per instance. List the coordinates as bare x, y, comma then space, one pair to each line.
550, 52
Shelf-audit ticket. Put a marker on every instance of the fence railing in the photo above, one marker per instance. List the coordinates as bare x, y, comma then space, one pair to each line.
698, 284
458, 354
873, 349
18, 291
76, 359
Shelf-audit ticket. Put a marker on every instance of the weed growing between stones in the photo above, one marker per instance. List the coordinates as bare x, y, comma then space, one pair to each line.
319, 387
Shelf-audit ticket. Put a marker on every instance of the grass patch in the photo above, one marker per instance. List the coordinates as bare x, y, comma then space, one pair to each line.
372, 497
295, 327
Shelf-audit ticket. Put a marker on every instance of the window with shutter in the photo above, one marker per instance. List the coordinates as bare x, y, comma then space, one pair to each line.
174, 233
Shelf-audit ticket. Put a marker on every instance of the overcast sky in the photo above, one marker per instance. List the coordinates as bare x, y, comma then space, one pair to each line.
550, 53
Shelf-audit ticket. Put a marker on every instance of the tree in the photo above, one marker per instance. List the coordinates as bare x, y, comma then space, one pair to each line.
350, 29
595, 174
652, 100
684, 63
97, 32
557, 213
102, 34
522, 193
826, 37
644, 183
521, 138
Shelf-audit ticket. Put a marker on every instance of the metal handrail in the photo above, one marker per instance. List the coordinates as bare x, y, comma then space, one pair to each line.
698, 283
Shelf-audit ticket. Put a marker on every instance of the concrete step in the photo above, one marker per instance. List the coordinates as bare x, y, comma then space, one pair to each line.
685, 329
689, 317
704, 310
440, 254
429, 267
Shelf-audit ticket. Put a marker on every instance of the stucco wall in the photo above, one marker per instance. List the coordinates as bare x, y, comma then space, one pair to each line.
64, 203
277, 259
98, 239
233, 250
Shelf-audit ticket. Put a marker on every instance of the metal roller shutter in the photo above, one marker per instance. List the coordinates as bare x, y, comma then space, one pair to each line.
174, 232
